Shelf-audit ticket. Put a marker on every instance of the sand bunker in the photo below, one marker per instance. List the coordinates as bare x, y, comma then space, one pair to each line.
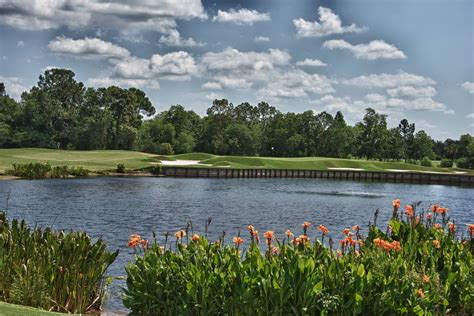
349, 169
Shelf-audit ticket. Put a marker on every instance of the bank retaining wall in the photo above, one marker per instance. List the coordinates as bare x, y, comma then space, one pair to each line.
385, 176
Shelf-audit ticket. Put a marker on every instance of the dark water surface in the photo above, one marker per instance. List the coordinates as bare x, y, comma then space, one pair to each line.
114, 208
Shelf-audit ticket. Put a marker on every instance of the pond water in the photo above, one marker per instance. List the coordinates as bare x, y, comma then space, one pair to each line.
114, 208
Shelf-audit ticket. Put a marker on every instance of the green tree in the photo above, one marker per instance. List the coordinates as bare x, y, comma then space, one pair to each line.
373, 138
422, 146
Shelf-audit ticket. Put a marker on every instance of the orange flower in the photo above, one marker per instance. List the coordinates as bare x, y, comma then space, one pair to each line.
396, 245
134, 240
339, 253
420, 293
396, 203
346, 231
360, 242
323, 229
436, 243
434, 207
256, 236
304, 239
268, 234
180, 234
356, 253
195, 237
441, 210
306, 225
387, 246
417, 220
250, 228
288, 233
238, 241
356, 228
438, 226
378, 242
470, 228
409, 210
452, 228
429, 215
296, 241
426, 279
275, 251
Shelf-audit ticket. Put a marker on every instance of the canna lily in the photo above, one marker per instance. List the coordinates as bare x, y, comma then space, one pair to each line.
356, 253
306, 225
288, 233
356, 228
396, 245
180, 234
144, 243
339, 253
134, 240
409, 211
296, 241
426, 279
396, 203
238, 241
250, 228
346, 231
452, 227
269, 236
436, 243
470, 228
420, 293
429, 215
195, 238
438, 226
275, 251
304, 239
323, 229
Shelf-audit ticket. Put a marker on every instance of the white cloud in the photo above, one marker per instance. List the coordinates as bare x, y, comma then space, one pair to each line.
295, 83
13, 86
172, 66
241, 17
412, 92
468, 86
213, 96
259, 39
384, 80
20, 44
231, 58
132, 14
87, 47
470, 116
124, 83
344, 104
311, 63
375, 97
175, 39
424, 125
227, 82
329, 23
374, 50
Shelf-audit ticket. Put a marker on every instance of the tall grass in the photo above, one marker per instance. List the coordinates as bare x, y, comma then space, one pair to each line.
58, 271
418, 265
40, 170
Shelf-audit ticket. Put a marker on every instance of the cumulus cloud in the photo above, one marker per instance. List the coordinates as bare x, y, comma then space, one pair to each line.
374, 50
231, 58
124, 83
227, 82
296, 83
20, 44
384, 80
135, 14
241, 17
329, 23
175, 39
172, 66
87, 47
412, 92
311, 63
470, 116
13, 86
259, 39
468, 86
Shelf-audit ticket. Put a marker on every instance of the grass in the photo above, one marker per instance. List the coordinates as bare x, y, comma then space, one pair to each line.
15, 310
107, 160
93, 160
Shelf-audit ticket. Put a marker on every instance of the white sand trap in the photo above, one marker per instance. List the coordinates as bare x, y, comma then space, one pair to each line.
179, 162
398, 170
349, 169
460, 172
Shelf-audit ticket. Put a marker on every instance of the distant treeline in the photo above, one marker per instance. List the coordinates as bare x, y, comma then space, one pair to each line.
60, 112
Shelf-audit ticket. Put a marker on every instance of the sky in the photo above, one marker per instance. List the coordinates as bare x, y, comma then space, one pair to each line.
409, 59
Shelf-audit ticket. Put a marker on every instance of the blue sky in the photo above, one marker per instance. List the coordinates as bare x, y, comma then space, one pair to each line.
409, 59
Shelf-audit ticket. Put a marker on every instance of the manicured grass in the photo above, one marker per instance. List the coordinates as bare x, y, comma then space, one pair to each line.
16, 310
107, 160
94, 160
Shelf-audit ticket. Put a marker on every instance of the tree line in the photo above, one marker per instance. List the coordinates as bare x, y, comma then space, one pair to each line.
60, 112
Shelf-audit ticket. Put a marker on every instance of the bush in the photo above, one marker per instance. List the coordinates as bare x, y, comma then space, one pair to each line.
413, 268
78, 172
44, 170
120, 168
156, 169
446, 163
412, 161
426, 162
465, 163
52, 270
165, 149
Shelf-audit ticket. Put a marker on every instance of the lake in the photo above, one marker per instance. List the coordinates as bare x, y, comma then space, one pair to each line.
114, 208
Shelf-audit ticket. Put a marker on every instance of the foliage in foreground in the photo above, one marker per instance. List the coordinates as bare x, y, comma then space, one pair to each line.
51, 270
417, 266
40, 170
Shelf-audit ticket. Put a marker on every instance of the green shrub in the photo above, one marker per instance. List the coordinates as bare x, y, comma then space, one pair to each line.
78, 171
426, 162
165, 149
60, 172
52, 270
120, 168
446, 163
412, 268
156, 169
31, 170
465, 163
412, 161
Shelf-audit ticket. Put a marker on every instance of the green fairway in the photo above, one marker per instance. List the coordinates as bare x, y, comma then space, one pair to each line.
307, 163
107, 160
16, 310
94, 160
